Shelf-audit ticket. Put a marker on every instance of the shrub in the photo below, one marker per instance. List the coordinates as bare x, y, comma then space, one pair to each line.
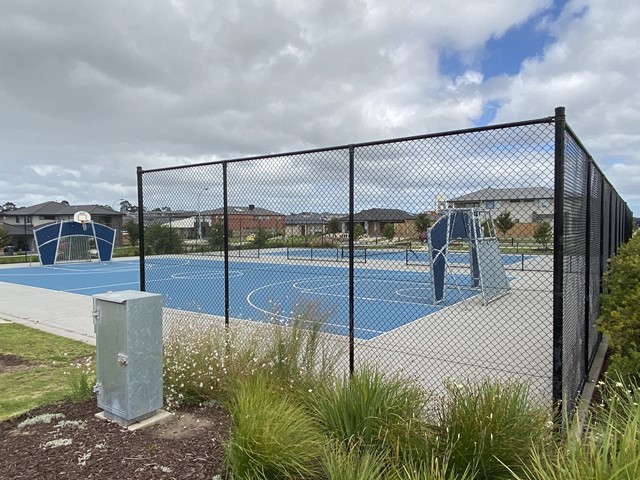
273, 437
608, 449
490, 427
619, 312
203, 363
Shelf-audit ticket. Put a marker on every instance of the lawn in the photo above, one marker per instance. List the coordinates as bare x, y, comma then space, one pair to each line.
36, 367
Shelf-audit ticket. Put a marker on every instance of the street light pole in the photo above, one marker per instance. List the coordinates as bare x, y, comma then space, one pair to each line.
199, 219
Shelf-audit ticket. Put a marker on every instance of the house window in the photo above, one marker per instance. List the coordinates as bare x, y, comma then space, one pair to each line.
493, 203
17, 219
544, 203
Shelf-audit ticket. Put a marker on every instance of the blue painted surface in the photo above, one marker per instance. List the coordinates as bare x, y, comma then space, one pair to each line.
266, 292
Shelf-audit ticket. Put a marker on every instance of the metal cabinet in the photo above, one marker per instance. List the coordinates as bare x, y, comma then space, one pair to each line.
128, 328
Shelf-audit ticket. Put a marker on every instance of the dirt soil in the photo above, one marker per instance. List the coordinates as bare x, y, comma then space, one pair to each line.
77, 445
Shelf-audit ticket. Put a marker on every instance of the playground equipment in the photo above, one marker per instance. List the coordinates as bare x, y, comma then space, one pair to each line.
475, 227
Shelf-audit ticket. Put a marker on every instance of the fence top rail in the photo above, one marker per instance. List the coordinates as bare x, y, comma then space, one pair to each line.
448, 133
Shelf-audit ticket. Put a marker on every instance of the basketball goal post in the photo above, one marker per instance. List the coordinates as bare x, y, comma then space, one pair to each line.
74, 240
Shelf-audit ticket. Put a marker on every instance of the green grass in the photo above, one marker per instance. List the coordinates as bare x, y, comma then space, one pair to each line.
18, 258
47, 380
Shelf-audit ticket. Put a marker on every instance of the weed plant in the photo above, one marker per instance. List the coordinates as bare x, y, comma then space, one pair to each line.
81, 380
490, 427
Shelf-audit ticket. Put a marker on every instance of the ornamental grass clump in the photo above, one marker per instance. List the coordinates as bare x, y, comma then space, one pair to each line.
371, 410
340, 462
273, 436
608, 449
296, 351
490, 427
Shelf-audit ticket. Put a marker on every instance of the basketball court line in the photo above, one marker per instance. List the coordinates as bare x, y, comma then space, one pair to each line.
254, 295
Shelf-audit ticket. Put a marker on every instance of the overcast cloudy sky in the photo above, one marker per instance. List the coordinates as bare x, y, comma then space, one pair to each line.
91, 89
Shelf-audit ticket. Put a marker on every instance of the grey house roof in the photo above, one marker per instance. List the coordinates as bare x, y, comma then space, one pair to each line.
242, 211
390, 215
55, 208
532, 193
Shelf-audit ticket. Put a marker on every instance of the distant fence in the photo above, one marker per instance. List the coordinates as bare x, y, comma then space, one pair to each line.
256, 236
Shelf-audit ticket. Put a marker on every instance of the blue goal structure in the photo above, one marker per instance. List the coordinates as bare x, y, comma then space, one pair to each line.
475, 228
74, 240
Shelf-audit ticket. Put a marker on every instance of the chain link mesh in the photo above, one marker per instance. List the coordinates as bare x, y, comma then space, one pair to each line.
288, 219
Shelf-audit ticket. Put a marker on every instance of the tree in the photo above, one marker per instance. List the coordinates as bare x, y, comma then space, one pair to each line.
422, 222
261, 237
504, 223
216, 235
542, 234
64, 202
133, 232
334, 226
5, 238
389, 231
358, 230
160, 240
8, 206
125, 206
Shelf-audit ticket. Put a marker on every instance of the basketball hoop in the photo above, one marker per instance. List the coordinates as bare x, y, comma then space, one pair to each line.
82, 217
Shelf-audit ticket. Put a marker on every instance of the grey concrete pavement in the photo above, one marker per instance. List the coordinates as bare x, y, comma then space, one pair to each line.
61, 313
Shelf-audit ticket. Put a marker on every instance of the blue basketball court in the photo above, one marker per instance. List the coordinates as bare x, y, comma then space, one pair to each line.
385, 299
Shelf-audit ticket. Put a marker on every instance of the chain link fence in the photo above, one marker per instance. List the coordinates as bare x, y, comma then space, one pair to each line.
347, 232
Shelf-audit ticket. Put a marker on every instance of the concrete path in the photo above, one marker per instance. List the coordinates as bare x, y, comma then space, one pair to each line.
65, 314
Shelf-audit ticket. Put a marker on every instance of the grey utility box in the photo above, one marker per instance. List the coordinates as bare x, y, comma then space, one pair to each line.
128, 328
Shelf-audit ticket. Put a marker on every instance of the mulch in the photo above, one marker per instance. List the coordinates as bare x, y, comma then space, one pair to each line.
77, 445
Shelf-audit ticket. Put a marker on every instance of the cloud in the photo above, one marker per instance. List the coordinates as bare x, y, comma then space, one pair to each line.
592, 69
102, 88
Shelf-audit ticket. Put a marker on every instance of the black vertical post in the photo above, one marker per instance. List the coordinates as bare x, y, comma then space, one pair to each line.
225, 242
351, 262
603, 256
558, 256
141, 228
587, 269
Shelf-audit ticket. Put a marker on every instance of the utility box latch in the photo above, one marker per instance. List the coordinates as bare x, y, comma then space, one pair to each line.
122, 359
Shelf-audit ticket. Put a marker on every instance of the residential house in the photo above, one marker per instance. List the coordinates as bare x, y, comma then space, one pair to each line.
374, 220
21, 222
247, 220
528, 207
307, 223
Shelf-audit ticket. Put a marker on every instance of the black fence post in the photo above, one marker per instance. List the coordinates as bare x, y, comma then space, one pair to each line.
558, 257
225, 242
587, 269
351, 261
603, 257
141, 229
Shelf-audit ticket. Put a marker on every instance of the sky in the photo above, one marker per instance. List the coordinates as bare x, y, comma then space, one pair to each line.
91, 90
